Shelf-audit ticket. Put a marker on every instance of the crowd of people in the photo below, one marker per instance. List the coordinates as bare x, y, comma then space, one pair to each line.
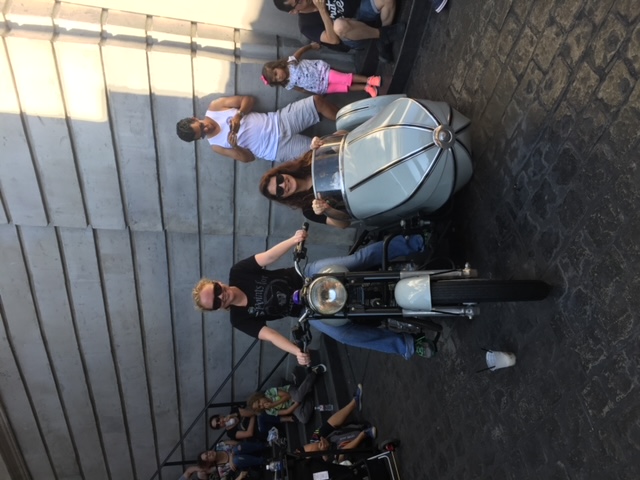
246, 451
254, 295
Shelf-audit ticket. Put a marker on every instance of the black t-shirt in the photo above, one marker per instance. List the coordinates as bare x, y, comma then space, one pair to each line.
269, 295
311, 215
311, 24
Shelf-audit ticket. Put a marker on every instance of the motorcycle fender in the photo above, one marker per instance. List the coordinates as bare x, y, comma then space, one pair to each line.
414, 293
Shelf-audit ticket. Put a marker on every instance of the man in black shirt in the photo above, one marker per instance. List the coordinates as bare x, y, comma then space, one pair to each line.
256, 296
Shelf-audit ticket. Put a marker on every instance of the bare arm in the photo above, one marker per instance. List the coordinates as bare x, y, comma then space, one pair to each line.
274, 253
251, 429
288, 411
329, 35
244, 103
337, 223
335, 218
302, 50
238, 153
270, 335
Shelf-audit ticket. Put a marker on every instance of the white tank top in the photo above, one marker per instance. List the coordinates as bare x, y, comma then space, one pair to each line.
258, 132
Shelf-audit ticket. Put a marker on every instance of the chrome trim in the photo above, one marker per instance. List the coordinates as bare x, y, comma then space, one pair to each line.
468, 311
391, 127
345, 198
444, 136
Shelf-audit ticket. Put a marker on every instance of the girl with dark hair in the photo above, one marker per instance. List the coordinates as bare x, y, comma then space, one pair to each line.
315, 76
291, 184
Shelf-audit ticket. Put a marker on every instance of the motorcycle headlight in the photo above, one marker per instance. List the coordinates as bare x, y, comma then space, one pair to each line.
327, 295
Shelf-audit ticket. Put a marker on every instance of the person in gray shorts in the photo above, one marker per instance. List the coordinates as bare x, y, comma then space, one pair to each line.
235, 131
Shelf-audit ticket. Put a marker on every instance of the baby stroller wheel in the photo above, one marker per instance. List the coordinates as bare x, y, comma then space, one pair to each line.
390, 445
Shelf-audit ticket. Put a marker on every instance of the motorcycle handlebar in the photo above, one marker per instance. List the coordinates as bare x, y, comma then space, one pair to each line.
300, 251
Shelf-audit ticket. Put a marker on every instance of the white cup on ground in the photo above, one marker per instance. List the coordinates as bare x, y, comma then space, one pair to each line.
496, 360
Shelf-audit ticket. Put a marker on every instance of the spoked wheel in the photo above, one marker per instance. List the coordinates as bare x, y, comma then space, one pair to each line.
453, 292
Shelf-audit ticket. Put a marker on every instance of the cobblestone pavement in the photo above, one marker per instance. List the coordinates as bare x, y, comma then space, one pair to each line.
552, 89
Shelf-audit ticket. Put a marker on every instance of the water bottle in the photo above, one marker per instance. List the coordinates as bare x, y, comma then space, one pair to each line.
274, 466
325, 408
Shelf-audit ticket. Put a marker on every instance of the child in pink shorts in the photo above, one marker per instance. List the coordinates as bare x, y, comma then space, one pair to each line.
315, 76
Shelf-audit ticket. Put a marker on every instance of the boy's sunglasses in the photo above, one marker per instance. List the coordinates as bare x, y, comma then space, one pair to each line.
217, 290
279, 189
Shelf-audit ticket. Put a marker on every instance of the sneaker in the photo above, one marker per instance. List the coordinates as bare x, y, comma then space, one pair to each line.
319, 369
427, 235
358, 397
371, 432
374, 81
438, 5
423, 347
372, 91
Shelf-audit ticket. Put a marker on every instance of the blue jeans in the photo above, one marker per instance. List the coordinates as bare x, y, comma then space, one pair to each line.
369, 14
265, 422
364, 336
248, 454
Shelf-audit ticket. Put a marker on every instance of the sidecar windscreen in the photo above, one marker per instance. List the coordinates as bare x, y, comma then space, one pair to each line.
326, 174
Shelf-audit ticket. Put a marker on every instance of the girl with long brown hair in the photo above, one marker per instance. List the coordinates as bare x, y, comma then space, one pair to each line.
290, 183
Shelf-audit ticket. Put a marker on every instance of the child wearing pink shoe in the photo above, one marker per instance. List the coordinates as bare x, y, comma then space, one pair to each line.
315, 76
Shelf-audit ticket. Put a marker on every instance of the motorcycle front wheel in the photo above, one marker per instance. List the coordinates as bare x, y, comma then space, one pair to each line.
453, 292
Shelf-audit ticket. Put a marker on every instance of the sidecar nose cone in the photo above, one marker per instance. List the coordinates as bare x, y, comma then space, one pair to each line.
444, 136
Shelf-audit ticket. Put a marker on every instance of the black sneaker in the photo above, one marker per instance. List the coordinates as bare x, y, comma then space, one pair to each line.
358, 397
423, 347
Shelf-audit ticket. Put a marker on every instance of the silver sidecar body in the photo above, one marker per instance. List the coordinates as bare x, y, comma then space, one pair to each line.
401, 157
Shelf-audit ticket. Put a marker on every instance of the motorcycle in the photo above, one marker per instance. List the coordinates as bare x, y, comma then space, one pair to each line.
394, 166
400, 300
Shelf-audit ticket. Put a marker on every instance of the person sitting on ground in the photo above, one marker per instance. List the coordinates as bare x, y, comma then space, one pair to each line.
288, 399
331, 436
315, 76
347, 23
256, 295
240, 424
234, 131
231, 456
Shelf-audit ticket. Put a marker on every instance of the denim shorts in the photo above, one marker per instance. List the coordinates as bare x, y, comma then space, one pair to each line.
369, 14
293, 119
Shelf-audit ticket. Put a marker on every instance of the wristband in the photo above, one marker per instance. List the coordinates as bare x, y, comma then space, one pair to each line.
242, 114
